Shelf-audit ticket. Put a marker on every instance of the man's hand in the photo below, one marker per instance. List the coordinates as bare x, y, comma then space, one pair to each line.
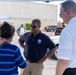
42, 60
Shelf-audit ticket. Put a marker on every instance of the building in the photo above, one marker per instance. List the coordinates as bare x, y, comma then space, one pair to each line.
24, 12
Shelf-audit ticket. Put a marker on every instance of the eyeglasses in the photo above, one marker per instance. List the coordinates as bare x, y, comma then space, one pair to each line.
33, 26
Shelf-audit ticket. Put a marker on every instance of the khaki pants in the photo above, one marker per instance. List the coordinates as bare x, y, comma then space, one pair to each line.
33, 69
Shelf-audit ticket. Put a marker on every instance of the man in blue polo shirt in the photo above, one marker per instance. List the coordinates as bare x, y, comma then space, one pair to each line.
35, 44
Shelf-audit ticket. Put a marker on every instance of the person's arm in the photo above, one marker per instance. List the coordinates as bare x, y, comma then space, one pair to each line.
49, 54
64, 53
19, 59
18, 30
61, 66
21, 44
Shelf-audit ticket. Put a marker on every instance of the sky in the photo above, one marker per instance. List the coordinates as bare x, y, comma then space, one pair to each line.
20, 0
25, 0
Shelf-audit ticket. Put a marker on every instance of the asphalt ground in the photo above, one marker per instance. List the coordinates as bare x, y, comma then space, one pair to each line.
49, 64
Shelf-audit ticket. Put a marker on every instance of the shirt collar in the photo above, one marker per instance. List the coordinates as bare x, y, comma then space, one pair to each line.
72, 20
37, 34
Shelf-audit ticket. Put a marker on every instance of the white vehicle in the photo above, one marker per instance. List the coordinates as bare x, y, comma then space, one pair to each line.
5, 18
55, 39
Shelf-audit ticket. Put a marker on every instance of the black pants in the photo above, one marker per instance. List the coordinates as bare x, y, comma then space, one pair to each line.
70, 71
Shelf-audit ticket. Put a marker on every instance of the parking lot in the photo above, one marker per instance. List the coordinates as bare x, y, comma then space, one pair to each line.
49, 64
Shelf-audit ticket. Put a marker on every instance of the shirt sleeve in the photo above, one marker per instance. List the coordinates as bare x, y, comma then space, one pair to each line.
49, 43
65, 46
21, 39
24, 37
19, 59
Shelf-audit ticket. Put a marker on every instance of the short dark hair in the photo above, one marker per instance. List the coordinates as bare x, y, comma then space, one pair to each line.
6, 30
37, 21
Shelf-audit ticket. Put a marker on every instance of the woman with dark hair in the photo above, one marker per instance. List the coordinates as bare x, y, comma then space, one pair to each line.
10, 56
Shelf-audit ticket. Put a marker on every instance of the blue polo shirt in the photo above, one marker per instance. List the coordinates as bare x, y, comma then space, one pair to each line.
36, 45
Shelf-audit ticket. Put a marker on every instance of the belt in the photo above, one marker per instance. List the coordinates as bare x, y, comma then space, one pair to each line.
70, 71
31, 61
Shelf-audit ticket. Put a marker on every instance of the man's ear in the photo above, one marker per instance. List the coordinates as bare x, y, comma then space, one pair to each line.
40, 26
68, 11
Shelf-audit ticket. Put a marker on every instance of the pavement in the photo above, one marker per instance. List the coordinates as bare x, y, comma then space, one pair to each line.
49, 64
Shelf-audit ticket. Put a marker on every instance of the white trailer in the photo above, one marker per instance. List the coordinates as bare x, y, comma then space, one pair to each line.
22, 12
